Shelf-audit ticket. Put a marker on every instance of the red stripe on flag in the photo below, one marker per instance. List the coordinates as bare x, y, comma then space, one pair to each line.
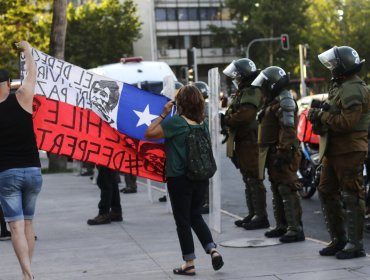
78, 133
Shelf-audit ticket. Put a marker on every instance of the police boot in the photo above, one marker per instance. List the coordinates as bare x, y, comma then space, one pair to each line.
332, 210
355, 212
258, 192
248, 199
278, 208
293, 213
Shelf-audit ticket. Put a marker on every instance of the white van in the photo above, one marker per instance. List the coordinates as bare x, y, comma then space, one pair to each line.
147, 75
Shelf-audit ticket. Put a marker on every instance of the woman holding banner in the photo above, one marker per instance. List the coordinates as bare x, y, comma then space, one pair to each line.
187, 196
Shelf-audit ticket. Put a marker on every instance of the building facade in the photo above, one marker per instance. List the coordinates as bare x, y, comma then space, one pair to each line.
171, 27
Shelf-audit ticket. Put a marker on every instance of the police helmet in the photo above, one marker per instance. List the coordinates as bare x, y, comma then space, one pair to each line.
241, 70
272, 80
341, 61
203, 88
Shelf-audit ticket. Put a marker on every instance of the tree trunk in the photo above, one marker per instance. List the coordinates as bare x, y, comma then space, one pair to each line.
58, 29
56, 49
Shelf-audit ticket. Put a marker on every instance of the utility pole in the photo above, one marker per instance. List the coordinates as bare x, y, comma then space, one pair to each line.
303, 63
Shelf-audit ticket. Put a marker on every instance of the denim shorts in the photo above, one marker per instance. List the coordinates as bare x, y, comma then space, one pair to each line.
19, 188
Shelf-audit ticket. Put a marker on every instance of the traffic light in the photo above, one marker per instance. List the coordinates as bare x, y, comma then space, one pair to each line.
190, 57
190, 75
284, 40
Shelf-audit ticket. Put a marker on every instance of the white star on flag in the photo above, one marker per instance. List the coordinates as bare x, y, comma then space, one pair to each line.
145, 117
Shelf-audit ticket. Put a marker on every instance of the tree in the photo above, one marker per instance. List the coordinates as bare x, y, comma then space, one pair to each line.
265, 19
22, 20
58, 29
101, 33
57, 42
335, 23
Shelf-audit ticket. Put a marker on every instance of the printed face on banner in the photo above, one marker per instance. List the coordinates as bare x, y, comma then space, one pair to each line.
154, 157
104, 97
59, 80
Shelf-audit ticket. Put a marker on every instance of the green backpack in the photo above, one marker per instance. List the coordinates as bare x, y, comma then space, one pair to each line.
201, 164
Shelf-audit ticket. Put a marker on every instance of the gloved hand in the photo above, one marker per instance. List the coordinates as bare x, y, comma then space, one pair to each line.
314, 115
283, 157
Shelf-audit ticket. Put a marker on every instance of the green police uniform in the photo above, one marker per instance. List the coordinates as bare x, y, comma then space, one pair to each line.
242, 148
346, 126
277, 136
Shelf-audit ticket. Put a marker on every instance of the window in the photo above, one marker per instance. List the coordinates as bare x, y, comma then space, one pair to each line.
160, 14
193, 14
171, 14
206, 41
187, 14
203, 13
170, 42
183, 14
212, 13
208, 13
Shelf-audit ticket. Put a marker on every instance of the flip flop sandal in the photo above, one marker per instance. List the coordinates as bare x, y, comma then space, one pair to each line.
181, 271
217, 261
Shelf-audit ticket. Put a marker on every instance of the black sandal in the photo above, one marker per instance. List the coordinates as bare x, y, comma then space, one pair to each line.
181, 271
217, 261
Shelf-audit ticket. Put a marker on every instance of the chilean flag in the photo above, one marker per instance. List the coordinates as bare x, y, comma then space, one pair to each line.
93, 118
137, 109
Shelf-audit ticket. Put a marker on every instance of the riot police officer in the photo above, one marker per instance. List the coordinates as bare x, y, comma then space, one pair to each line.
242, 148
279, 152
343, 124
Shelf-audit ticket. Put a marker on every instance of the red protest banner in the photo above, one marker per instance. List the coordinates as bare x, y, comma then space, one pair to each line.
79, 133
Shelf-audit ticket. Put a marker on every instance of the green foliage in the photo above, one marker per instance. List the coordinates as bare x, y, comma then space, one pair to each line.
314, 22
265, 19
22, 20
101, 33
329, 29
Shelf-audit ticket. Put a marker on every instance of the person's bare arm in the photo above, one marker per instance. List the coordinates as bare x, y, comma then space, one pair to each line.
155, 131
26, 91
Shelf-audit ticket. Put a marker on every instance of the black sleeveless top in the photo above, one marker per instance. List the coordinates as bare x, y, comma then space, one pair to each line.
18, 147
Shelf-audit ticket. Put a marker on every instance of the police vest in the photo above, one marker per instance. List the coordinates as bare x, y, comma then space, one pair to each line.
352, 92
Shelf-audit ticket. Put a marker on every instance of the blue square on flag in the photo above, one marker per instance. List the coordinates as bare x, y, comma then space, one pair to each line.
137, 109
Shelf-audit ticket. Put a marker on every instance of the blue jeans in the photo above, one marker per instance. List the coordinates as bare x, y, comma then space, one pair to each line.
19, 188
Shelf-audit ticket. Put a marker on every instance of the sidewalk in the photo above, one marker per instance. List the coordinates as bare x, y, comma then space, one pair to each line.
145, 244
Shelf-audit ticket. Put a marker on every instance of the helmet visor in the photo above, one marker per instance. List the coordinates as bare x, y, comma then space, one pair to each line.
328, 59
231, 71
259, 80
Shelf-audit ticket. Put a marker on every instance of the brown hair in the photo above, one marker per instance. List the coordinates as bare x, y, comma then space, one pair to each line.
190, 103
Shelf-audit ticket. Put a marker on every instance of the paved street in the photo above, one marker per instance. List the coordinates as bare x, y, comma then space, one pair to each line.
233, 201
145, 245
